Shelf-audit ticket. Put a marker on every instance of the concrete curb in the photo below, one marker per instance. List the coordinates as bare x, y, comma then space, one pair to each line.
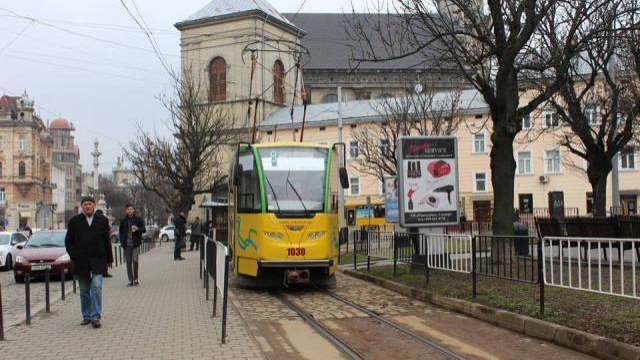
581, 341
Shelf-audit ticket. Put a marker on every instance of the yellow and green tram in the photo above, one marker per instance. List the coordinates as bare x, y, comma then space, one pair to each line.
283, 213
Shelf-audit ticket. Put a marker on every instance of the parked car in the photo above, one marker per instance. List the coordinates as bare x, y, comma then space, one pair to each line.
167, 233
151, 234
44, 250
9, 241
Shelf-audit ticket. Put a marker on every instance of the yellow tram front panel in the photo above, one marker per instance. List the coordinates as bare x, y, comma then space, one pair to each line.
265, 237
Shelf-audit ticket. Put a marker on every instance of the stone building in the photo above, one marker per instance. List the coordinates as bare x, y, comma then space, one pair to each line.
66, 155
26, 149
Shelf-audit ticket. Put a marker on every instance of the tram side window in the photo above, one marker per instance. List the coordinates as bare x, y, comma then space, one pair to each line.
249, 189
334, 183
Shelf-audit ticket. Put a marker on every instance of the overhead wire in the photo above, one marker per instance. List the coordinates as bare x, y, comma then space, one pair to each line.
17, 37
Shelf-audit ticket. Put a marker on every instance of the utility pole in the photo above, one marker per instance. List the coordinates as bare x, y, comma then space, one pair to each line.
615, 184
340, 161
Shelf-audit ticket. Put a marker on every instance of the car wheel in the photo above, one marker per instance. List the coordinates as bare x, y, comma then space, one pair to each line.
19, 278
165, 238
7, 263
114, 239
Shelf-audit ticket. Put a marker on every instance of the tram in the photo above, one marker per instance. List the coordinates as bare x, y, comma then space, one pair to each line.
283, 213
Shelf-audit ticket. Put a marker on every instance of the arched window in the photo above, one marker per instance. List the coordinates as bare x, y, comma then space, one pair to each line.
22, 169
278, 82
218, 80
0, 169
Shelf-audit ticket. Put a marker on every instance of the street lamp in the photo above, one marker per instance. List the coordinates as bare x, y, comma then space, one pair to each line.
54, 206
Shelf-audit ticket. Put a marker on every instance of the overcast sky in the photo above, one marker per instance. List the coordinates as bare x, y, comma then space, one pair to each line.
88, 62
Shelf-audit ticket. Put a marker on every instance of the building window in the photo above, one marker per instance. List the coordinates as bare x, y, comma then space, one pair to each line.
330, 98
551, 120
526, 121
591, 114
478, 143
524, 162
1, 143
354, 184
353, 150
22, 169
552, 162
384, 147
218, 80
3, 195
480, 182
22, 143
1, 170
278, 82
627, 158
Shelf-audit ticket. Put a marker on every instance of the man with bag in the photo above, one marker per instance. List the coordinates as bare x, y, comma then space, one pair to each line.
180, 224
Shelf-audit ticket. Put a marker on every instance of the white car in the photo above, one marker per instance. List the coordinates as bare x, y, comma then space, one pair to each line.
9, 241
167, 233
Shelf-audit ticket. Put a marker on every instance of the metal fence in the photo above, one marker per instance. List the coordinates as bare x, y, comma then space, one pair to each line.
582, 264
214, 264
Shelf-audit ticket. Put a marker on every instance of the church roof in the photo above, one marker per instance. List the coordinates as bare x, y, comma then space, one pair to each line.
471, 102
60, 123
227, 9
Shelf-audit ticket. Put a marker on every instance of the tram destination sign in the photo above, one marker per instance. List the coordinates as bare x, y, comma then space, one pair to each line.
428, 174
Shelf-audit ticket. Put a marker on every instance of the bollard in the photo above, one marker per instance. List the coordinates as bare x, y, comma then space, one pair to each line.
1, 320
27, 297
115, 251
62, 279
120, 253
47, 306
73, 281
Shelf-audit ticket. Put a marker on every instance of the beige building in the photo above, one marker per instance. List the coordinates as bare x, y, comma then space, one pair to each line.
66, 155
542, 165
25, 165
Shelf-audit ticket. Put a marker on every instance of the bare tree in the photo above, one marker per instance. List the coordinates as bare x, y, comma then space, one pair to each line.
599, 95
496, 46
429, 113
192, 161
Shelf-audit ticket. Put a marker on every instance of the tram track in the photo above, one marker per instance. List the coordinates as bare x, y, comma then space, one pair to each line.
342, 344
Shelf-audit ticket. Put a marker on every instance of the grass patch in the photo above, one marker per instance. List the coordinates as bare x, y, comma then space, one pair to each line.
609, 316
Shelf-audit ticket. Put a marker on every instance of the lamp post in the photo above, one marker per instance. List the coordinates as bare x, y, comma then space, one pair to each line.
54, 206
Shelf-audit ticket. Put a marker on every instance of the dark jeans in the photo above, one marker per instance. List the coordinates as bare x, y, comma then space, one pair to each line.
195, 239
177, 250
131, 256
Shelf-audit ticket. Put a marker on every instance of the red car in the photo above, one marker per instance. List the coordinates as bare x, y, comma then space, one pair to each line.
44, 250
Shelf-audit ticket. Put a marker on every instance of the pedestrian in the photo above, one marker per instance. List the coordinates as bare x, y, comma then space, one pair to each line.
196, 234
106, 269
88, 245
180, 230
521, 233
130, 231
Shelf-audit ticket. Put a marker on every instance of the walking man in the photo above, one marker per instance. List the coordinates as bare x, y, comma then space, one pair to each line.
196, 234
88, 245
130, 231
180, 230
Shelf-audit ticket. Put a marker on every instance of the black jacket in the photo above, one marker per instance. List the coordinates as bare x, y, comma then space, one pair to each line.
181, 226
136, 235
89, 246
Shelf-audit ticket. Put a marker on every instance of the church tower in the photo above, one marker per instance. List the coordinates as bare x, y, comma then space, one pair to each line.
214, 51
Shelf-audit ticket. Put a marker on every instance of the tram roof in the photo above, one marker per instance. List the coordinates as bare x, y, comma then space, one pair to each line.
290, 144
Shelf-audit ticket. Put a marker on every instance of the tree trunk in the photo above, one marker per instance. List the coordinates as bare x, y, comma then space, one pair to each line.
598, 180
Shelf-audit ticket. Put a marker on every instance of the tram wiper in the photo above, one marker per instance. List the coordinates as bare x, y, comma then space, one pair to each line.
306, 212
275, 197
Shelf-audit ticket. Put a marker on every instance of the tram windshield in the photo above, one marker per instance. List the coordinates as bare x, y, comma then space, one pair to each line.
294, 178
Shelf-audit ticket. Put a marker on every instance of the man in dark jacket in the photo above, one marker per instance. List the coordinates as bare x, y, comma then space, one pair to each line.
130, 231
196, 234
88, 245
180, 224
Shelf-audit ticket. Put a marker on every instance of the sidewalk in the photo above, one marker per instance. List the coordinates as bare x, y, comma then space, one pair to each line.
166, 317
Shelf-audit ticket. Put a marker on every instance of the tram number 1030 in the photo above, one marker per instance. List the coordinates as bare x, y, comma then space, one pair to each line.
295, 252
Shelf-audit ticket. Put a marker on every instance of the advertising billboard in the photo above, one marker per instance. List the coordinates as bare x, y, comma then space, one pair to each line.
392, 211
428, 173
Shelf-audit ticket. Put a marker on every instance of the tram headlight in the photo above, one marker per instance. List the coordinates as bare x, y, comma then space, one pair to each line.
315, 235
272, 235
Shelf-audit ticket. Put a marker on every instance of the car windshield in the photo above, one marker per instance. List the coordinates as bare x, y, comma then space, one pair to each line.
4, 239
46, 239
294, 178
